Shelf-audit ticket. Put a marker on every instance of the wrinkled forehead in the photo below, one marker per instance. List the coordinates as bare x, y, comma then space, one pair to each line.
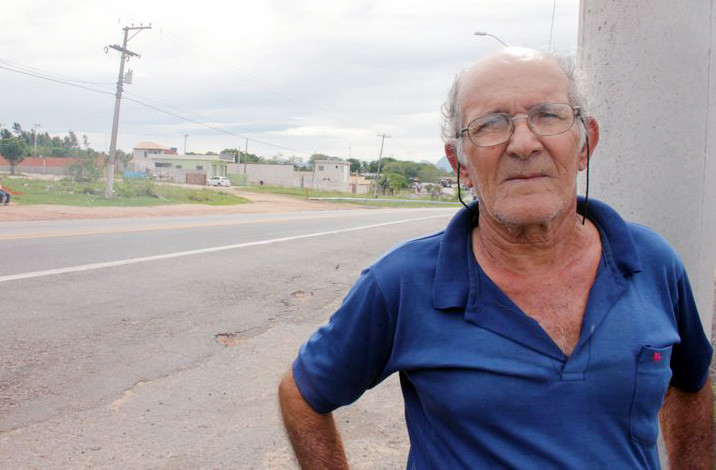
513, 72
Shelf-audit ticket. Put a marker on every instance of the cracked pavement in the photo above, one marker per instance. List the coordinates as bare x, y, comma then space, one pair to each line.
175, 364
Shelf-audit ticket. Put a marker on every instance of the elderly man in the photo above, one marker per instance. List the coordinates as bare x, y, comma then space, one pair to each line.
538, 330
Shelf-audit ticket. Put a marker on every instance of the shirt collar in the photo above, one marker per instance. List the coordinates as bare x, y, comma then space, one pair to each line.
452, 285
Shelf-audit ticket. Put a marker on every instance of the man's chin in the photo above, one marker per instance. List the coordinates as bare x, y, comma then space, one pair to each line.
528, 211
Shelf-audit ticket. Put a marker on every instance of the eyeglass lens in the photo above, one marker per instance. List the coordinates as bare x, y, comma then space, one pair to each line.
545, 119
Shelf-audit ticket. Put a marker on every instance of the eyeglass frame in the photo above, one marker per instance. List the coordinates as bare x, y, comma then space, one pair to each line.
575, 109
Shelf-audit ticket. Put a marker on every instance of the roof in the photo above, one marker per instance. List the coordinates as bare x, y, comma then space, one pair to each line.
150, 146
183, 158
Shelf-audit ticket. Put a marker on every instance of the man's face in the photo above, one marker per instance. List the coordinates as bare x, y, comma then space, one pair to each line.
529, 179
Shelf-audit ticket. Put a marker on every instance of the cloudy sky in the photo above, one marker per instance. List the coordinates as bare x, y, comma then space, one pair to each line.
293, 76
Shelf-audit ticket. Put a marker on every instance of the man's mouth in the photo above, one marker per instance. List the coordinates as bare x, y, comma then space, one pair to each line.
525, 177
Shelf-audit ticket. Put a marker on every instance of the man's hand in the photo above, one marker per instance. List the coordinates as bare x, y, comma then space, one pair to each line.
687, 424
314, 437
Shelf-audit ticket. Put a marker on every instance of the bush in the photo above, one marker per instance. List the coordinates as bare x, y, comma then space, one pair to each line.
135, 188
70, 186
86, 168
200, 195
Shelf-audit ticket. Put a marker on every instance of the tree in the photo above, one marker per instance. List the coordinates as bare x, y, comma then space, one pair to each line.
356, 165
236, 153
71, 141
241, 157
425, 172
373, 166
86, 168
393, 182
122, 156
13, 150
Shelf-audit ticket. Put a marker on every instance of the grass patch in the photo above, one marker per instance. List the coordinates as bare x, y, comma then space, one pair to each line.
397, 200
130, 193
373, 203
298, 192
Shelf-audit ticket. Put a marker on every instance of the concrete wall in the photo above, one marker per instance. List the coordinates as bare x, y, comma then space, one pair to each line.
41, 165
286, 176
335, 171
652, 90
271, 175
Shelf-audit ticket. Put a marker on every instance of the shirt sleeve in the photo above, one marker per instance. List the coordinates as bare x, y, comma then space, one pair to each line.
347, 356
691, 357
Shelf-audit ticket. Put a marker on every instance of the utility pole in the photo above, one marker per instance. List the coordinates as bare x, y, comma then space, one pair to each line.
35, 135
126, 54
246, 157
383, 136
185, 136
44, 168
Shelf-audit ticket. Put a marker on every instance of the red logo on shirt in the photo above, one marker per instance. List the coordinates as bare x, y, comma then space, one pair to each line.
657, 356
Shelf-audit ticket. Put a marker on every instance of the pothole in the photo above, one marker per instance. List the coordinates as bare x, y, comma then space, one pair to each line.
301, 295
227, 339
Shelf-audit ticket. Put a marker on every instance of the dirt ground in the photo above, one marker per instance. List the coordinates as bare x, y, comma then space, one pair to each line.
261, 202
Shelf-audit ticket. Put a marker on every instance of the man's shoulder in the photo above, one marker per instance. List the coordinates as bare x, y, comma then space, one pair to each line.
651, 246
632, 245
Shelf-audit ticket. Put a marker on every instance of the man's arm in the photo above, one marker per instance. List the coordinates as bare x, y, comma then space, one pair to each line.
687, 424
314, 436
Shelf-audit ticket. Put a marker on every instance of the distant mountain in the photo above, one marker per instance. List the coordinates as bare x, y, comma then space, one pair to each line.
444, 164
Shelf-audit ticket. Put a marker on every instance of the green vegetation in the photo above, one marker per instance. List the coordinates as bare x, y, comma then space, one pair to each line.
36, 143
400, 199
425, 172
128, 193
13, 150
300, 192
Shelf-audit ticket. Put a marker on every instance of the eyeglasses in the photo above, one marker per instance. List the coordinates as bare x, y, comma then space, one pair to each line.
497, 128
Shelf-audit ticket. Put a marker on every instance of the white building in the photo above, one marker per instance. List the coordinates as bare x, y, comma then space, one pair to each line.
329, 173
164, 163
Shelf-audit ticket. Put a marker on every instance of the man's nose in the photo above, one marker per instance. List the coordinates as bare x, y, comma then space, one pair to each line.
523, 141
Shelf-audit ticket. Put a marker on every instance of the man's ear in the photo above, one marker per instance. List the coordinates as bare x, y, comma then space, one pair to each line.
451, 154
592, 128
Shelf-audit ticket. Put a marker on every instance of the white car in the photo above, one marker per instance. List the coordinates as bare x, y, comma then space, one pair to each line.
219, 181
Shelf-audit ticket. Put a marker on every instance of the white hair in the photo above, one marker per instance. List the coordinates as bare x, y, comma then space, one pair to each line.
453, 113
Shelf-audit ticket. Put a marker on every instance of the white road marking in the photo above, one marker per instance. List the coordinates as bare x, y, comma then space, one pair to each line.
124, 262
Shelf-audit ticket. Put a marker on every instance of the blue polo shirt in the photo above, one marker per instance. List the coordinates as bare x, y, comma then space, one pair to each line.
484, 385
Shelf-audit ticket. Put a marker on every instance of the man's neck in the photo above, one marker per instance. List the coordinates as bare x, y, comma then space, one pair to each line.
523, 249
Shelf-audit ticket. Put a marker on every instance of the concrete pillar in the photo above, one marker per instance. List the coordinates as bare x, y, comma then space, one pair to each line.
652, 82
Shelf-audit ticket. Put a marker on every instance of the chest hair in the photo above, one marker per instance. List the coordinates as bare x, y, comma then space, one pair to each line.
557, 304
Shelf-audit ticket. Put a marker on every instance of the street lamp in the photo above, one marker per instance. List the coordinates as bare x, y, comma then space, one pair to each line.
482, 33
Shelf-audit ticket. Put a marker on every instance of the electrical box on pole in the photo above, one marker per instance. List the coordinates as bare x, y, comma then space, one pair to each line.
126, 54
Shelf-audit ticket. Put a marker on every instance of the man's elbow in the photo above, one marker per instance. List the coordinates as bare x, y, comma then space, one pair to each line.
286, 388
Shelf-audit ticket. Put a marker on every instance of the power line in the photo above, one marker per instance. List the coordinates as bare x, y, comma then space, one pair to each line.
48, 77
179, 43
217, 129
64, 82
28, 68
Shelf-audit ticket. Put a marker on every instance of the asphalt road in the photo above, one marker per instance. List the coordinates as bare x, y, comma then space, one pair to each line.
158, 343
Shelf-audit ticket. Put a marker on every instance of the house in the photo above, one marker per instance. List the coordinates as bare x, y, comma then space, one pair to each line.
165, 163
